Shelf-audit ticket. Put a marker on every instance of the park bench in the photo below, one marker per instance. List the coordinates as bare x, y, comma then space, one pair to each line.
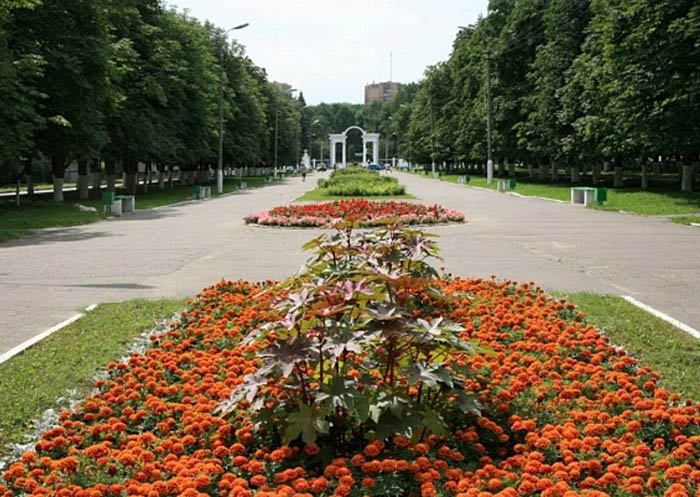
463, 180
128, 202
201, 192
587, 195
506, 184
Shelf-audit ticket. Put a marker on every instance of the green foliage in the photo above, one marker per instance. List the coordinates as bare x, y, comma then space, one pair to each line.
128, 82
349, 359
360, 183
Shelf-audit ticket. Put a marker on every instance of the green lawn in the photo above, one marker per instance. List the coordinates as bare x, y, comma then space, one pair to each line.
687, 220
16, 222
652, 202
65, 363
321, 195
657, 344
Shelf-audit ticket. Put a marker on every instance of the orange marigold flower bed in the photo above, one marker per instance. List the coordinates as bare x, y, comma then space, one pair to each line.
565, 414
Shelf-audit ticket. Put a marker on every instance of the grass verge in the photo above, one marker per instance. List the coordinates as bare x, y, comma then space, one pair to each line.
321, 195
656, 343
34, 380
652, 202
687, 220
16, 222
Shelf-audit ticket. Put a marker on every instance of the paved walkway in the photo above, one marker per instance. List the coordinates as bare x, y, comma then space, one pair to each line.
178, 250
168, 252
568, 247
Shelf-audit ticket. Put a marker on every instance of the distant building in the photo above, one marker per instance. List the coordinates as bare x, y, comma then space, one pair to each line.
381, 92
283, 87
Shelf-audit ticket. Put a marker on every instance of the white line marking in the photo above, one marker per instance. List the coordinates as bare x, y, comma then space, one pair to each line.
520, 195
91, 307
25, 345
661, 315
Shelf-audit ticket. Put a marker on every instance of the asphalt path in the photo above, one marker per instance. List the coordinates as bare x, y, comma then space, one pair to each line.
178, 250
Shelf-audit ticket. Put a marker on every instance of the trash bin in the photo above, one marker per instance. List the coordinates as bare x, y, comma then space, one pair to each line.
600, 195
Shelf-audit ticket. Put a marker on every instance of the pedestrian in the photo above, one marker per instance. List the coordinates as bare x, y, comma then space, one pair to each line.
303, 173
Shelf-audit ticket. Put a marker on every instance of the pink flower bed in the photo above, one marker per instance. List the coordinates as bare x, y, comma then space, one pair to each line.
368, 212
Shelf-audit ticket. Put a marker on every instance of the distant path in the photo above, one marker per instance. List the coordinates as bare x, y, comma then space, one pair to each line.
176, 251
567, 247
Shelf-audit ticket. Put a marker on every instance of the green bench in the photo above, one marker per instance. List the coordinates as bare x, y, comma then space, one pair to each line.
506, 184
587, 195
201, 192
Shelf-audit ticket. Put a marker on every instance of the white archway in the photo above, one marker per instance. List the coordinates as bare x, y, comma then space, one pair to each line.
341, 138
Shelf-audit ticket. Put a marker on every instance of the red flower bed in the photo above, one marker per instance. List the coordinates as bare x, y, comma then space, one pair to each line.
565, 414
368, 212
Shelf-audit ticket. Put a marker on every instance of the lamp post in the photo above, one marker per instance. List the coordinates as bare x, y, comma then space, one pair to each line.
277, 120
311, 152
220, 166
489, 118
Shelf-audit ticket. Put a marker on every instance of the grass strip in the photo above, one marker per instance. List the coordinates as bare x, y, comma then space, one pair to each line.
16, 222
654, 342
687, 220
652, 202
65, 362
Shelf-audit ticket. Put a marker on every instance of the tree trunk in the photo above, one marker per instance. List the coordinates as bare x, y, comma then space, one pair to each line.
83, 180
58, 170
543, 171
110, 169
530, 171
502, 168
618, 177
511, 169
575, 178
687, 179
58, 189
554, 172
17, 187
645, 175
96, 177
28, 177
606, 166
161, 177
130, 176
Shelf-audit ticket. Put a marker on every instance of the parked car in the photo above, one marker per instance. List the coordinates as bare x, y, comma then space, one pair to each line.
375, 167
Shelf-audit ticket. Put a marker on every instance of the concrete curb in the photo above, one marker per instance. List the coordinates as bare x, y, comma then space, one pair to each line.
36, 339
665, 317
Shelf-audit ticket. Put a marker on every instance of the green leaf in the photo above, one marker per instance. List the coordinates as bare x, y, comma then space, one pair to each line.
362, 408
306, 423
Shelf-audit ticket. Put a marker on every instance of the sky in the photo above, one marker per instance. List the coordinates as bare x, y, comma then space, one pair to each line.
329, 49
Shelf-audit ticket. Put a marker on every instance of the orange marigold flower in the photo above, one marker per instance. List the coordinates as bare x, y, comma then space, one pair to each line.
368, 482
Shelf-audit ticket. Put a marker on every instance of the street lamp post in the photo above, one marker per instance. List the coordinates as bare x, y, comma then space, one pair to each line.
220, 165
311, 152
277, 120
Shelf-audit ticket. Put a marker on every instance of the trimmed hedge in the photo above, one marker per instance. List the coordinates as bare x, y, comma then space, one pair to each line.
358, 182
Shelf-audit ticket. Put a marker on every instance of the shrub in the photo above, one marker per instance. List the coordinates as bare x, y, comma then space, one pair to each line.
358, 182
348, 357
